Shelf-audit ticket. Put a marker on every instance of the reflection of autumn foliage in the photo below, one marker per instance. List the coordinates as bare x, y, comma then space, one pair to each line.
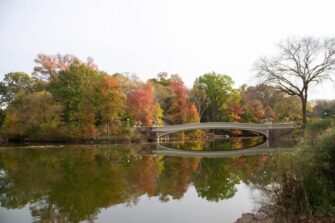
142, 175
73, 183
175, 178
250, 166
238, 143
215, 180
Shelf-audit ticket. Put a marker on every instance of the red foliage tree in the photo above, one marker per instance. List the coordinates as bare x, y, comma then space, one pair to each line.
181, 110
140, 104
178, 106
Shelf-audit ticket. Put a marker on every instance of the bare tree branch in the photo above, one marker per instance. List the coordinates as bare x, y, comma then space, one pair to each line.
300, 63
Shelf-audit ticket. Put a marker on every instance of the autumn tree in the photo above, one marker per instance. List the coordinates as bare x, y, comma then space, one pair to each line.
233, 110
162, 90
277, 105
128, 82
140, 104
192, 114
48, 66
158, 114
181, 110
77, 89
299, 65
34, 115
254, 111
178, 100
73, 86
110, 99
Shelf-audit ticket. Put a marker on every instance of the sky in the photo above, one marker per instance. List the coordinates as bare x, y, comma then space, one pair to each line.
145, 37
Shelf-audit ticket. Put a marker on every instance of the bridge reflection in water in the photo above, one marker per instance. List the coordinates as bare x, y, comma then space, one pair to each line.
268, 147
260, 149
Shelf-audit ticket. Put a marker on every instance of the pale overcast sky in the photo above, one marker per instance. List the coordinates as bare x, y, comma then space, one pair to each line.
188, 37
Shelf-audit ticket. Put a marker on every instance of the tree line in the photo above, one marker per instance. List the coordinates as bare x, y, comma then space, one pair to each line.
66, 98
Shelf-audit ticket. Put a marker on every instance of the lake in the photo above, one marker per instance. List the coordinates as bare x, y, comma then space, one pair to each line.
128, 183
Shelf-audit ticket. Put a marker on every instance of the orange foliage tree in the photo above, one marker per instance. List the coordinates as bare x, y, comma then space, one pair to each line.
110, 100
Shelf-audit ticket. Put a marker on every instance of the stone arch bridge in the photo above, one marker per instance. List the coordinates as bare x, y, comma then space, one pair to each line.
259, 128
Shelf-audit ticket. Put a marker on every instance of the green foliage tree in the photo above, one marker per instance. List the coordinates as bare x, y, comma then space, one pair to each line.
218, 89
72, 87
15, 82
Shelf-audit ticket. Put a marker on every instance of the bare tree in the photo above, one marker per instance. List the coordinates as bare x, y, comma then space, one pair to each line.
301, 64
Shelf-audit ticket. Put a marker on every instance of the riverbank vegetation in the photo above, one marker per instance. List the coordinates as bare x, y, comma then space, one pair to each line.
303, 186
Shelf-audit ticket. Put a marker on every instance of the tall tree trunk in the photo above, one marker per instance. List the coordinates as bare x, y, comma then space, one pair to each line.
304, 111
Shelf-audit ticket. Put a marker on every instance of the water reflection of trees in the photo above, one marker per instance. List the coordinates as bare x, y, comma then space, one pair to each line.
73, 184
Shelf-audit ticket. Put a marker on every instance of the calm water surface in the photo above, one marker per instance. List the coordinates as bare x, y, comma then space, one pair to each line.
105, 183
